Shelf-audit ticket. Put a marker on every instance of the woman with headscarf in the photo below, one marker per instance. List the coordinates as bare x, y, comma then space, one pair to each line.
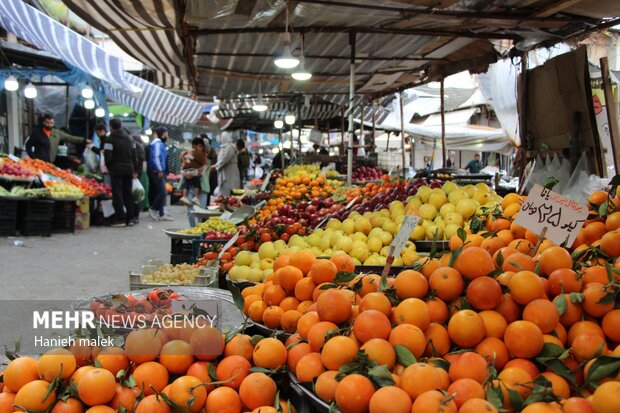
226, 166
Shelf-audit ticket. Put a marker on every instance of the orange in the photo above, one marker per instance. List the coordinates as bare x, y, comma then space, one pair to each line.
353, 394
464, 390
469, 365
433, 401
593, 293
610, 324
522, 245
508, 309
200, 370
437, 310
98, 386
371, 324
595, 273
523, 339
34, 396
376, 301
150, 374
289, 303
188, 392
543, 313
303, 260
113, 359
605, 398
71, 405
306, 322
338, 351
466, 328
555, 258
412, 311
370, 283
232, 370
409, 336
309, 367
125, 397
281, 261
419, 378
57, 362
325, 386
295, 353
82, 353
516, 379
447, 283
612, 222
390, 399
410, 284
317, 333
559, 385
597, 198
428, 265
257, 309
594, 231
334, 305
564, 279
577, 405
573, 311
493, 244
380, 351
438, 340
7, 400
20, 371
289, 320
257, 390
289, 276
274, 295
223, 399
494, 324
343, 262
269, 353
526, 365
142, 345
494, 351
176, 356
206, 343
304, 288
474, 262
518, 261
477, 405
484, 293
510, 199
249, 299
526, 286
240, 345
587, 346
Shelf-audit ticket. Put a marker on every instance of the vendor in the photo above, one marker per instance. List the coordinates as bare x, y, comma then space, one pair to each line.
44, 140
474, 166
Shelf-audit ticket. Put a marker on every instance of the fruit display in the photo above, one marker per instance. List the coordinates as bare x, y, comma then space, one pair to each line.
10, 169
213, 228
63, 190
20, 191
180, 274
365, 173
114, 309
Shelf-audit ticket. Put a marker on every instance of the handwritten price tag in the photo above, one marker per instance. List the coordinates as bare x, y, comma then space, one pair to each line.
229, 244
350, 204
563, 217
14, 158
407, 227
265, 182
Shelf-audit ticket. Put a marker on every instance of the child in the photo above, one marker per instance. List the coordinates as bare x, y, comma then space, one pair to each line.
192, 168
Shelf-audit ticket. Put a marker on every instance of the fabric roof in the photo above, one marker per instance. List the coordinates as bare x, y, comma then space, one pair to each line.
47, 34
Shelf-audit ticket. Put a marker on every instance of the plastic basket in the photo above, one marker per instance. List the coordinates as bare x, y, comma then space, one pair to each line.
8, 227
8, 208
37, 209
36, 227
64, 216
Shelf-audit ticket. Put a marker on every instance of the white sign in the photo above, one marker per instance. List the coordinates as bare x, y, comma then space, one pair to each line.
323, 221
527, 174
328, 168
406, 228
229, 244
563, 217
14, 158
265, 182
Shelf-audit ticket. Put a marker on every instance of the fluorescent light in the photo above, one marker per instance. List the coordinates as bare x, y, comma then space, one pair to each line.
286, 60
289, 119
89, 104
301, 73
30, 91
87, 92
144, 138
100, 112
11, 84
148, 132
125, 114
259, 106
275, 150
278, 124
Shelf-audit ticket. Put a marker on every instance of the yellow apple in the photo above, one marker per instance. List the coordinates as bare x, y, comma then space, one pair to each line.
409, 257
374, 244
377, 220
428, 211
431, 230
243, 258
390, 226
386, 237
438, 198
334, 224
449, 187
418, 233
466, 208
424, 193
266, 263
445, 209
450, 230
456, 196
359, 236
363, 225
344, 243
267, 250
454, 218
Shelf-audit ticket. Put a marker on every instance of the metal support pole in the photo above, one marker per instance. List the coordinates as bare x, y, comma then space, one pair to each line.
612, 113
281, 147
351, 96
292, 143
299, 132
443, 125
374, 128
341, 132
402, 132
362, 124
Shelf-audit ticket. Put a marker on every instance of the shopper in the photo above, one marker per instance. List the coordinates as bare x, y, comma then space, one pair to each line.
158, 161
44, 140
226, 166
120, 158
474, 166
139, 173
451, 161
243, 162
192, 168
212, 157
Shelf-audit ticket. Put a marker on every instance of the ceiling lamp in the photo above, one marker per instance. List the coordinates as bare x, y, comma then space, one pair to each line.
148, 132
286, 60
100, 112
125, 114
289, 119
278, 124
301, 73
87, 92
89, 104
259, 106
11, 84
30, 91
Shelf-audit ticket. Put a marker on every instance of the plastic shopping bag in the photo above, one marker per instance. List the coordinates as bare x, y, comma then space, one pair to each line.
137, 191
581, 183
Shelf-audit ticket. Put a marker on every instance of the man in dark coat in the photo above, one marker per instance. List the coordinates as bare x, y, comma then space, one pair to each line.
120, 159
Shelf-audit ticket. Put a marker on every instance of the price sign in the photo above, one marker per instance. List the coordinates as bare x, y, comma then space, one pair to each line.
350, 204
562, 217
320, 224
265, 182
14, 158
229, 244
45, 177
527, 174
328, 168
407, 227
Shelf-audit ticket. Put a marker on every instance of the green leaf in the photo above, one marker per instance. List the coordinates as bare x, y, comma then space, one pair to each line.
602, 210
500, 259
461, 234
608, 298
294, 343
604, 366
560, 369
261, 370
404, 356
276, 403
550, 182
441, 363
212, 371
495, 396
610, 272
327, 286
255, 339
576, 298
344, 277
383, 285
561, 304
515, 399
236, 294
333, 408
549, 351
516, 265
381, 376
454, 255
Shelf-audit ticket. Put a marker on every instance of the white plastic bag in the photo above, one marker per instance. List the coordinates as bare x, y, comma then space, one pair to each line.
581, 183
137, 191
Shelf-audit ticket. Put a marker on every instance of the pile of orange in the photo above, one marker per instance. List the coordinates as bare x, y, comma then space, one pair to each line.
371, 188
158, 371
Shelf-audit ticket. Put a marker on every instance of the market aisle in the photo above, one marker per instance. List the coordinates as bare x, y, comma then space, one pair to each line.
87, 263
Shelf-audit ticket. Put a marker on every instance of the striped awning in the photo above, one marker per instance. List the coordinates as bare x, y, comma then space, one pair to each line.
156, 103
47, 34
146, 29
277, 110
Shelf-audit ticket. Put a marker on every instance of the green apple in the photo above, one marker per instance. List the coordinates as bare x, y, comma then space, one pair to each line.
449, 187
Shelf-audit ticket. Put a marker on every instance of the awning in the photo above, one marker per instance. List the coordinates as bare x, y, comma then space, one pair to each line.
46, 33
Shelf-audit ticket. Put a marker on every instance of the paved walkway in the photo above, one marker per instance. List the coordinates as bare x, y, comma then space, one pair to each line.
90, 262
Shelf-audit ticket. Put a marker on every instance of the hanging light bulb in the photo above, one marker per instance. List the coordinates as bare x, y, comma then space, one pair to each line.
289, 119
148, 132
301, 73
278, 124
30, 91
259, 106
11, 84
100, 112
87, 92
286, 60
125, 114
89, 104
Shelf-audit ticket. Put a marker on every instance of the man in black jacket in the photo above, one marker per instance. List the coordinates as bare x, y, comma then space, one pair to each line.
120, 159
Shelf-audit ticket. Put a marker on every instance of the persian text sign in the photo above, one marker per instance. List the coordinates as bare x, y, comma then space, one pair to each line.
563, 217
401, 238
